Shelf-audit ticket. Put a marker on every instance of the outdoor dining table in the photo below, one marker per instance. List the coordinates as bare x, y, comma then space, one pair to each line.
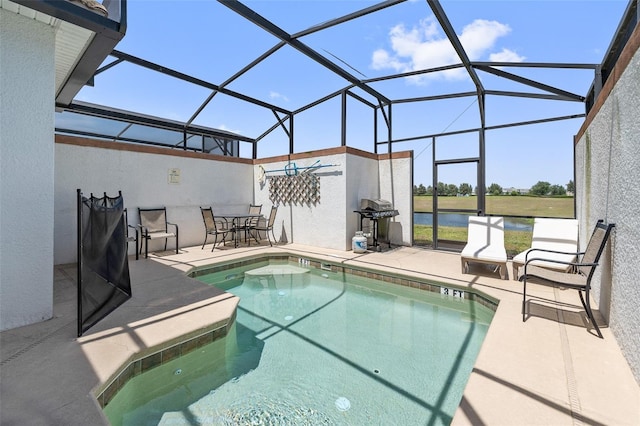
239, 221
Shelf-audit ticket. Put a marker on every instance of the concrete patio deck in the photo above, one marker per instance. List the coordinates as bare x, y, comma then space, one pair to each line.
549, 370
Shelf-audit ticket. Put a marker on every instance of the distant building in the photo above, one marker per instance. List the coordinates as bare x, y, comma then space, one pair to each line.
520, 191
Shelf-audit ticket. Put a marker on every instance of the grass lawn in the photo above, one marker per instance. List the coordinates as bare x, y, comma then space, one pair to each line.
502, 205
514, 241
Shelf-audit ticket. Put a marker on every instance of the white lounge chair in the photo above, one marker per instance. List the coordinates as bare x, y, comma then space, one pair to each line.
556, 235
485, 243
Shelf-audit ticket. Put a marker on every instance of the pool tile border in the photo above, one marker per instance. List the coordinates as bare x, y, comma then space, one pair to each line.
328, 265
151, 361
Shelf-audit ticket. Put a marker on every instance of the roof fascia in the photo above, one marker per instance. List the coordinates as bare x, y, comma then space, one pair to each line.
108, 34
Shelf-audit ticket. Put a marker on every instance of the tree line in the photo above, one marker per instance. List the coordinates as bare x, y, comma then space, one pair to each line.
541, 188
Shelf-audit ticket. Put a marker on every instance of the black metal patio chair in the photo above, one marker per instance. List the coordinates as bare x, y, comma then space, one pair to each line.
255, 210
578, 278
215, 227
131, 238
267, 226
154, 225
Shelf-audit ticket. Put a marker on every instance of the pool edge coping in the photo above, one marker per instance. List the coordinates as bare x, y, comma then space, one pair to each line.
133, 366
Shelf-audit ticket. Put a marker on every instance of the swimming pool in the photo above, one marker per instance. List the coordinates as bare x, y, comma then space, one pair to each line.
317, 346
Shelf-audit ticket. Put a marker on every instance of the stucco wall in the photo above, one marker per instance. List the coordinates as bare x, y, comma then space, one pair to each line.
396, 185
331, 223
26, 170
143, 179
301, 222
607, 176
228, 186
363, 181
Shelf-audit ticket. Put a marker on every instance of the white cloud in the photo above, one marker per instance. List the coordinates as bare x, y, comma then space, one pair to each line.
506, 55
425, 46
480, 36
382, 60
276, 95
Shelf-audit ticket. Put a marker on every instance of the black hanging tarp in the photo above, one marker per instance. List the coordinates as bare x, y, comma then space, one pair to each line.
103, 265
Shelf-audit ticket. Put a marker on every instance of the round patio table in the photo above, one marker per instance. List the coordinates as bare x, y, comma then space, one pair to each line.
239, 222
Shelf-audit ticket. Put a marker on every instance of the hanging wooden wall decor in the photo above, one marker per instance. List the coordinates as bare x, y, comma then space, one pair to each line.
303, 189
294, 187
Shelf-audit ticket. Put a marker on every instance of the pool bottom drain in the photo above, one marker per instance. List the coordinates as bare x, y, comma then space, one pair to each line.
343, 404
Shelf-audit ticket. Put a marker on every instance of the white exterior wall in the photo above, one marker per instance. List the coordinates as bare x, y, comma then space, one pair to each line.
27, 90
332, 222
143, 179
363, 181
396, 185
321, 225
228, 187
607, 176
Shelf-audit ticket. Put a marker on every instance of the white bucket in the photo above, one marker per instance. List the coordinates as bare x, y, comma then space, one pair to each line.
359, 243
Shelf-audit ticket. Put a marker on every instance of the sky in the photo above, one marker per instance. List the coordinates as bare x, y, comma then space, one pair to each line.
209, 41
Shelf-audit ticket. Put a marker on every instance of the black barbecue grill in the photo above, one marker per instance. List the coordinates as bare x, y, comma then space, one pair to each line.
378, 213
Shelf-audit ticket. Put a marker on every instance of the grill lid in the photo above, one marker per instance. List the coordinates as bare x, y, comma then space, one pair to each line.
376, 205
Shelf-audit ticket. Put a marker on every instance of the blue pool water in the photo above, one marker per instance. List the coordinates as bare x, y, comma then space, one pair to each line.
315, 347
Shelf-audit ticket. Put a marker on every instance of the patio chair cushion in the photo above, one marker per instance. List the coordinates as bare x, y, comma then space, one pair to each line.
551, 234
487, 253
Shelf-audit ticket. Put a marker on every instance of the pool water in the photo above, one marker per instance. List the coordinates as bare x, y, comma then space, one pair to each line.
314, 347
